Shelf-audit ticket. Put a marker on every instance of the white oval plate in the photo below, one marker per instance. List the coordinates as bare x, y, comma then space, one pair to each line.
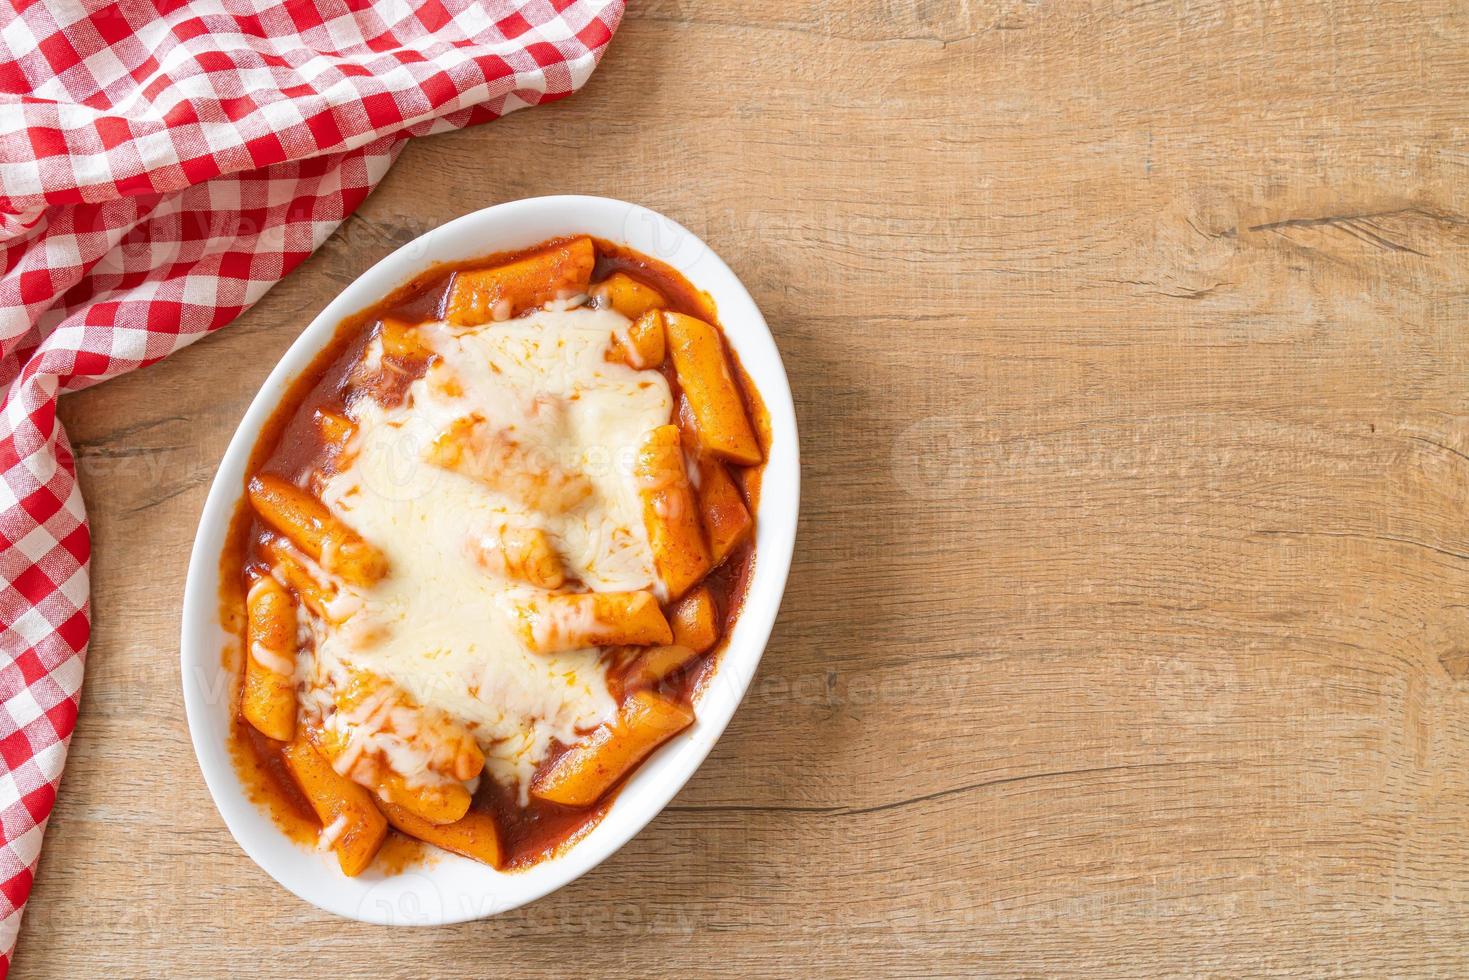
455, 889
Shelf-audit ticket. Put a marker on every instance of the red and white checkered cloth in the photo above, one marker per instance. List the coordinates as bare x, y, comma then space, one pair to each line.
162, 164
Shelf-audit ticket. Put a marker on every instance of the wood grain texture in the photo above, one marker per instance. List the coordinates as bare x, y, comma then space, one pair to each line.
1129, 627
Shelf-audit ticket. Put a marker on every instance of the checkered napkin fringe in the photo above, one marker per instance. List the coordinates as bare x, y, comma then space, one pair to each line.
162, 164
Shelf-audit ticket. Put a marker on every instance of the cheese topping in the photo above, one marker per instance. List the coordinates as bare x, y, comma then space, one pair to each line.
439, 625
331, 833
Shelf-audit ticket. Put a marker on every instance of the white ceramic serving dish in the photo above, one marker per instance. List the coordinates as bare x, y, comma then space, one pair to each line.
450, 888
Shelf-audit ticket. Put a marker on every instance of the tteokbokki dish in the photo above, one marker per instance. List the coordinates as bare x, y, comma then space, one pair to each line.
491, 544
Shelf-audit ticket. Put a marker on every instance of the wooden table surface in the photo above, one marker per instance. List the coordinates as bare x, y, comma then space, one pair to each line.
1129, 625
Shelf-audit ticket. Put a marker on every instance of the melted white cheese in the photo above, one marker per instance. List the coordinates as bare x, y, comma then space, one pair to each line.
438, 626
